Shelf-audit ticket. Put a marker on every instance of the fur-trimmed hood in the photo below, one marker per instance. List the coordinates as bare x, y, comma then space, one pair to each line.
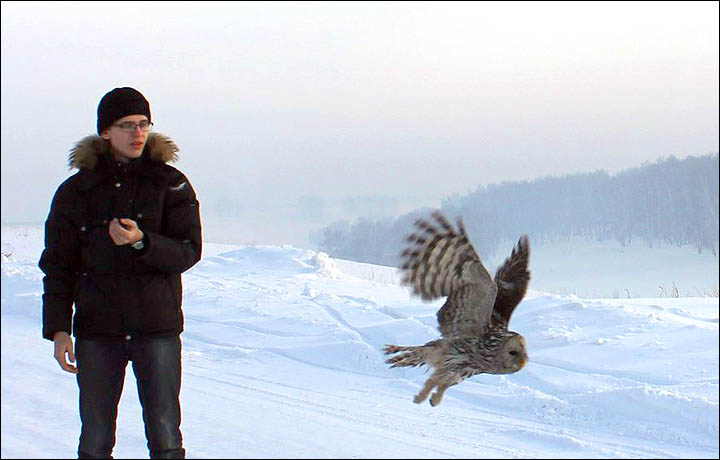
86, 152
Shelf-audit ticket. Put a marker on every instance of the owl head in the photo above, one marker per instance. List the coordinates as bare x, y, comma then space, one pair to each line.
513, 354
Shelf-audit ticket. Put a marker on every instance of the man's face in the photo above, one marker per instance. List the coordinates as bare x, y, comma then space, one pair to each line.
128, 143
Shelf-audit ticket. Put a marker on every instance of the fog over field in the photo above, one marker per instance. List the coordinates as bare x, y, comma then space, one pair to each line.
357, 109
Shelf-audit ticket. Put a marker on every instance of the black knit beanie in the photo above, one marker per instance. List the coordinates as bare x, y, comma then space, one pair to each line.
119, 103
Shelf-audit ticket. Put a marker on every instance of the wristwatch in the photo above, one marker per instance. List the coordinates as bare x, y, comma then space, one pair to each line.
138, 244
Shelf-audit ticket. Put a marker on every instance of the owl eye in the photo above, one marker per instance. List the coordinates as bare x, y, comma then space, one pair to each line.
513, 353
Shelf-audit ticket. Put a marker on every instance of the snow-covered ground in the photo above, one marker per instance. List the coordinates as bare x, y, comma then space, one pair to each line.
282, 359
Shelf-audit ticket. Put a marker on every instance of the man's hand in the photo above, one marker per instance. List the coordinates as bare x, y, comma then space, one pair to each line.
64, 344
125, 231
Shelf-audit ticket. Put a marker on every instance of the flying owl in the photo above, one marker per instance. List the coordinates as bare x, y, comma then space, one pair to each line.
473, 322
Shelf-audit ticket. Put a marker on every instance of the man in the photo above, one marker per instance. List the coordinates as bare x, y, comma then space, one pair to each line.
119, 234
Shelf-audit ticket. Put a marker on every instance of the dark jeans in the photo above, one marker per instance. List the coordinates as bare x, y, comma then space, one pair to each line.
101, 374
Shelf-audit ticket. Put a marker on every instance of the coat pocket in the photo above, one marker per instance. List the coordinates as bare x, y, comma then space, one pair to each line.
100, 252
94, 314
149, 217
160, 308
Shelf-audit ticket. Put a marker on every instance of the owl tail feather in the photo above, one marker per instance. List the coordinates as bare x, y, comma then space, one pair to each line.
412, 356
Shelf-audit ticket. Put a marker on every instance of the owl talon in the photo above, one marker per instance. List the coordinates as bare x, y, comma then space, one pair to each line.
435, 399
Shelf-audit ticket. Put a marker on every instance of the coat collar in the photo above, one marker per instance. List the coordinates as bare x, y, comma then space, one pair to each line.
86, 153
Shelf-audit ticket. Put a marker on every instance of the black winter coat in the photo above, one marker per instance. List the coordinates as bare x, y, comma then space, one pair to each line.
117, 290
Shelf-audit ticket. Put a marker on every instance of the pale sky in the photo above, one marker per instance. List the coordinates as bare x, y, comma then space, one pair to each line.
273, 102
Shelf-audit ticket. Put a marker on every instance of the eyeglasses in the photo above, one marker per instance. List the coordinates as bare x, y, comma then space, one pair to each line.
129, 126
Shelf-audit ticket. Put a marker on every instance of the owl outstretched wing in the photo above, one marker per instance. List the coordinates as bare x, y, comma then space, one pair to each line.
440, 261
512, 278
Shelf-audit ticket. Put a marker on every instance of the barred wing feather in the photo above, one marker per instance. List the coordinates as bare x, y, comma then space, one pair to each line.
440, 261
512, 278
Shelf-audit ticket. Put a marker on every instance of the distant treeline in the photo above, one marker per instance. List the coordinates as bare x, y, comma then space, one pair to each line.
670, 202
